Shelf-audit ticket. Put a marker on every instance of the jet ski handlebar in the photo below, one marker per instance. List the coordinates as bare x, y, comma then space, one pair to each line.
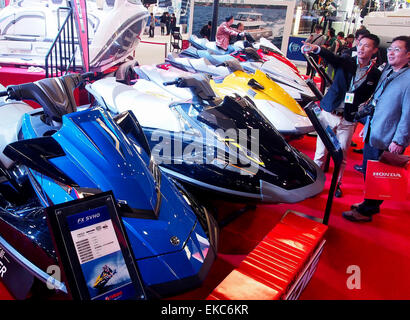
176, 82
25, 91
91, 76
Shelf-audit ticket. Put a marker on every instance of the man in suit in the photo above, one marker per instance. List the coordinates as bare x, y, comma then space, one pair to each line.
354, 82
388, 128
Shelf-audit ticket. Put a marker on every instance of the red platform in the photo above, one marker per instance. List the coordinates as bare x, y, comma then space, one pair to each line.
280, 266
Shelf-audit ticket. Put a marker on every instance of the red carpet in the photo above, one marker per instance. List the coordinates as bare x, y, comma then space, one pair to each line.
381, 249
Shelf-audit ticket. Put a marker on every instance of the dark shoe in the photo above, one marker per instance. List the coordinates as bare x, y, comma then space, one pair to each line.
353, 144
338, 192
358, 168
356, 205
355, 216
371, 210
358, 151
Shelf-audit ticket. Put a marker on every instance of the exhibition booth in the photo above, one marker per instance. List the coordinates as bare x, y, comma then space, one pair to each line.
192, 178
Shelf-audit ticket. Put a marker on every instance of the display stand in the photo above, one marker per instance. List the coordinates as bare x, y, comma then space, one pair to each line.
335, 151
93, 250
311, 84
326, 80
175, 40
235, 215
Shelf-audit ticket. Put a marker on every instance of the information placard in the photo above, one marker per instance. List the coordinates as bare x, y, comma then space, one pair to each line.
93, 250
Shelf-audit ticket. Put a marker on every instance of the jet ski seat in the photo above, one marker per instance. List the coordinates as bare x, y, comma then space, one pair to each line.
190, 52
199, 43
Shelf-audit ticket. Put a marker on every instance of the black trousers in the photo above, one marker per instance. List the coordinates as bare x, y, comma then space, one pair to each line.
309, 70
151, 32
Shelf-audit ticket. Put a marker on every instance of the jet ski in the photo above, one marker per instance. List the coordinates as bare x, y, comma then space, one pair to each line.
272, 100
265, 48
104, 277
205, 44
59, 153
226, 147
251, 61
28, 29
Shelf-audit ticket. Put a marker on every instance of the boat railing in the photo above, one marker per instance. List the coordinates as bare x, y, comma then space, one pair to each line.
61, 55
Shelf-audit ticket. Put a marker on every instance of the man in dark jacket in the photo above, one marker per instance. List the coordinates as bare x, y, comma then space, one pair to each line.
168, 24
354, 82
206, 31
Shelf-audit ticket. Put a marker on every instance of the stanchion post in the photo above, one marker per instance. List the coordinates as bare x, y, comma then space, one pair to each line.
214, 19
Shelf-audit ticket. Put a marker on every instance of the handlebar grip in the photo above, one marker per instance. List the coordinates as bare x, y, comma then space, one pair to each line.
170, 83
90, 75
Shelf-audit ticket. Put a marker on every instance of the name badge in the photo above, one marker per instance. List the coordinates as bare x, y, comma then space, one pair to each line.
349, 97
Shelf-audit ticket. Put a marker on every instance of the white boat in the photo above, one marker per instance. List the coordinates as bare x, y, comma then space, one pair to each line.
253, 24
388, 24
28, 29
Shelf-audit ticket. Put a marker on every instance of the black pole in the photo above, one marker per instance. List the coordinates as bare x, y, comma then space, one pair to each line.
214, 20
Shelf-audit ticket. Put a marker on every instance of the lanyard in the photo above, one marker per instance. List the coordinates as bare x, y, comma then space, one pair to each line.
354, 82
383, 84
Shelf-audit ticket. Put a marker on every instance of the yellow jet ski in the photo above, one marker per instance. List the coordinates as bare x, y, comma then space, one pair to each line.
271, 99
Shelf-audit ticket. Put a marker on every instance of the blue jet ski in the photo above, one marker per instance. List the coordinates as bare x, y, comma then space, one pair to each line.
57, 154
205, 44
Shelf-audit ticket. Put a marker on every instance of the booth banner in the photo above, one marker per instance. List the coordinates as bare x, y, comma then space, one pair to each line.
80, 15
385, 182
293, 50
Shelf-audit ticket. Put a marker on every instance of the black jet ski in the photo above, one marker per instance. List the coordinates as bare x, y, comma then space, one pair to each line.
224, 146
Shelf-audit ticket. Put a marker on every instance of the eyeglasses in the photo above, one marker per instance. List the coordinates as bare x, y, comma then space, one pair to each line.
395, 49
